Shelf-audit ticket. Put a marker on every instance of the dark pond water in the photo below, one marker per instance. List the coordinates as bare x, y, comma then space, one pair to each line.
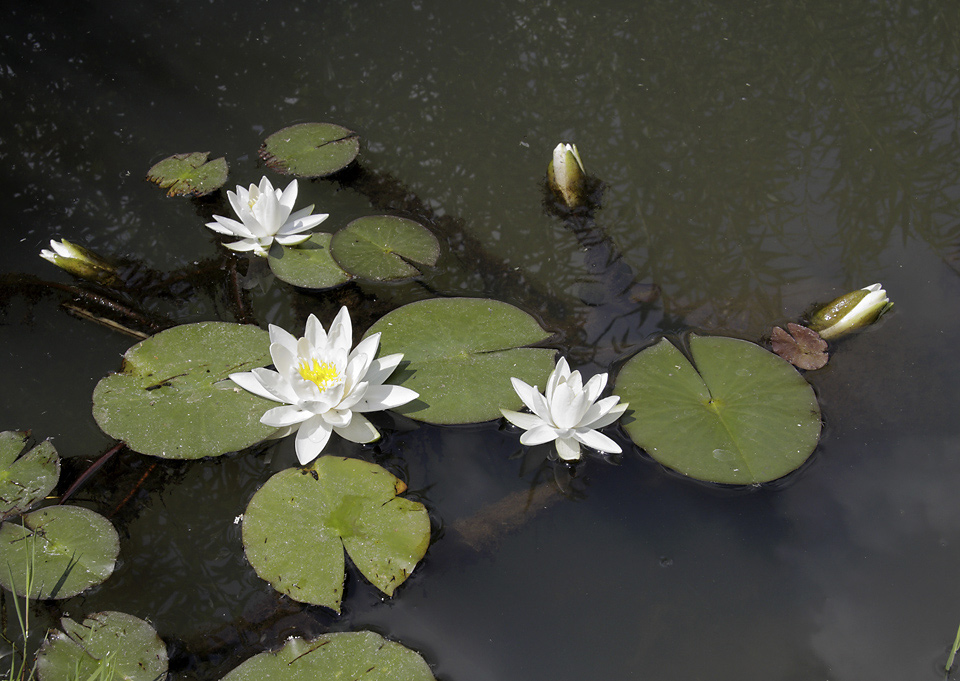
757, 157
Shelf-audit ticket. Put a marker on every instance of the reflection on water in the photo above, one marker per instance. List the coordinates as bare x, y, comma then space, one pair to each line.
756, 158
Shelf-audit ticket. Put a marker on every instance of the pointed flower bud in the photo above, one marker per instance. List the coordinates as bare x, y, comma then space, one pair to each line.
80, 262
851, 312
566, 175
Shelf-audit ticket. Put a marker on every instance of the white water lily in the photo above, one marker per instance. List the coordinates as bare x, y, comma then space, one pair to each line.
568, 413
78, 261
566, 175
266, 216
851, 312
324, 386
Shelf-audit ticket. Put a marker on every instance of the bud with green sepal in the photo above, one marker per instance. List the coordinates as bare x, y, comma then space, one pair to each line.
80, 262
850, 312
566, 176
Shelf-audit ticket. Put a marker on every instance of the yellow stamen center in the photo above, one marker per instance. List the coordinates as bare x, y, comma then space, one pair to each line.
323, 374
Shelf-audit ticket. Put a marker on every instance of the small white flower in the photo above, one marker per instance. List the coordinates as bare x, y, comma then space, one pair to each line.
565, 175
851, 312
568, 413
266, 215
324, 387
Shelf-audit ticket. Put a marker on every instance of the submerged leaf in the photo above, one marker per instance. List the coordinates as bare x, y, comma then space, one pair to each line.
385, 248
335, 657
27, 480
737, 415
299, 523
307, 265
173, 398
802, 347
310, 149
460, 353
189, 174
60, 551
113, 645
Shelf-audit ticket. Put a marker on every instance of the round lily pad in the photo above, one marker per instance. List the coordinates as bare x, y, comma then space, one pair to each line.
307, 265
173, 399
189, 174
335, 657
27, 480
111, 645
737, 415
460, 353
57, 551
310, 149
385, 248
299, 523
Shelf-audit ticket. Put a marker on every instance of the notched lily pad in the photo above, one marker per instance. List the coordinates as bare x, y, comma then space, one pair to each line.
173, 398
298, 524
802, 347
385, 248
60, 551
310, 149
737, 415
307, 265
335, 657
27, 480
460, 353
189, 174
114, 645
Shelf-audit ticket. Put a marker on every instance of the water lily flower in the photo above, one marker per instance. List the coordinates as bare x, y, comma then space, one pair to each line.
566, 175
80, 262
266, 216
567, 413
324, 386
851, 312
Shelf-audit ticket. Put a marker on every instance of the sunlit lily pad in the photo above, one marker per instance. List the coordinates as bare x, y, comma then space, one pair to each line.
189, 174
385, 248
173, 399
299, 523
66, 548
310, 149
27, 480
460, 353
335, 657
307, 265
114, 645
737, 415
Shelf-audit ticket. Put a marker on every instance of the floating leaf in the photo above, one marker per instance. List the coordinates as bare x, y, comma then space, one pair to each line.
384, 248
310, 149
189, 174
27, 480
308, 265
113, 645
742, 416
460, 353
299, 523
802, 347
335, 657
172, 398
63, 549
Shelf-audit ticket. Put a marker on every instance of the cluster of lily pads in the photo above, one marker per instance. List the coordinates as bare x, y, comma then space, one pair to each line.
716, 409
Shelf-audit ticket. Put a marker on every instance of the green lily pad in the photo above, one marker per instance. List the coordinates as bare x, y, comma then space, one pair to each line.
310, 149
385, 248
299, 523
307, 265
172, 398
27, 480
335, 657
60, 551
189, 174
737, 415
460, 353
112, 645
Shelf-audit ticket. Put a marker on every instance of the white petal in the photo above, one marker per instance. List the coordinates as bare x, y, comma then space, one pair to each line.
247, 245
595, 386
568, 449
285, 416
340, 335
597, 440
284, 359
379, 397
360, 430
314, 333
288, 197
567, 406
299, 223
312, 438
293, 239
368, 346
276, 385
559, 373
539, 435
338, 418
522, 419
598, 411
238, 200
610, 416
381, 369
526, 392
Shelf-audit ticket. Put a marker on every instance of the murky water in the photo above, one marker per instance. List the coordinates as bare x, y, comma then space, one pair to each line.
757, 158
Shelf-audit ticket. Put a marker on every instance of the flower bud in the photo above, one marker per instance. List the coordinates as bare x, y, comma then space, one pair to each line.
850, 312
566, 176
80, 262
